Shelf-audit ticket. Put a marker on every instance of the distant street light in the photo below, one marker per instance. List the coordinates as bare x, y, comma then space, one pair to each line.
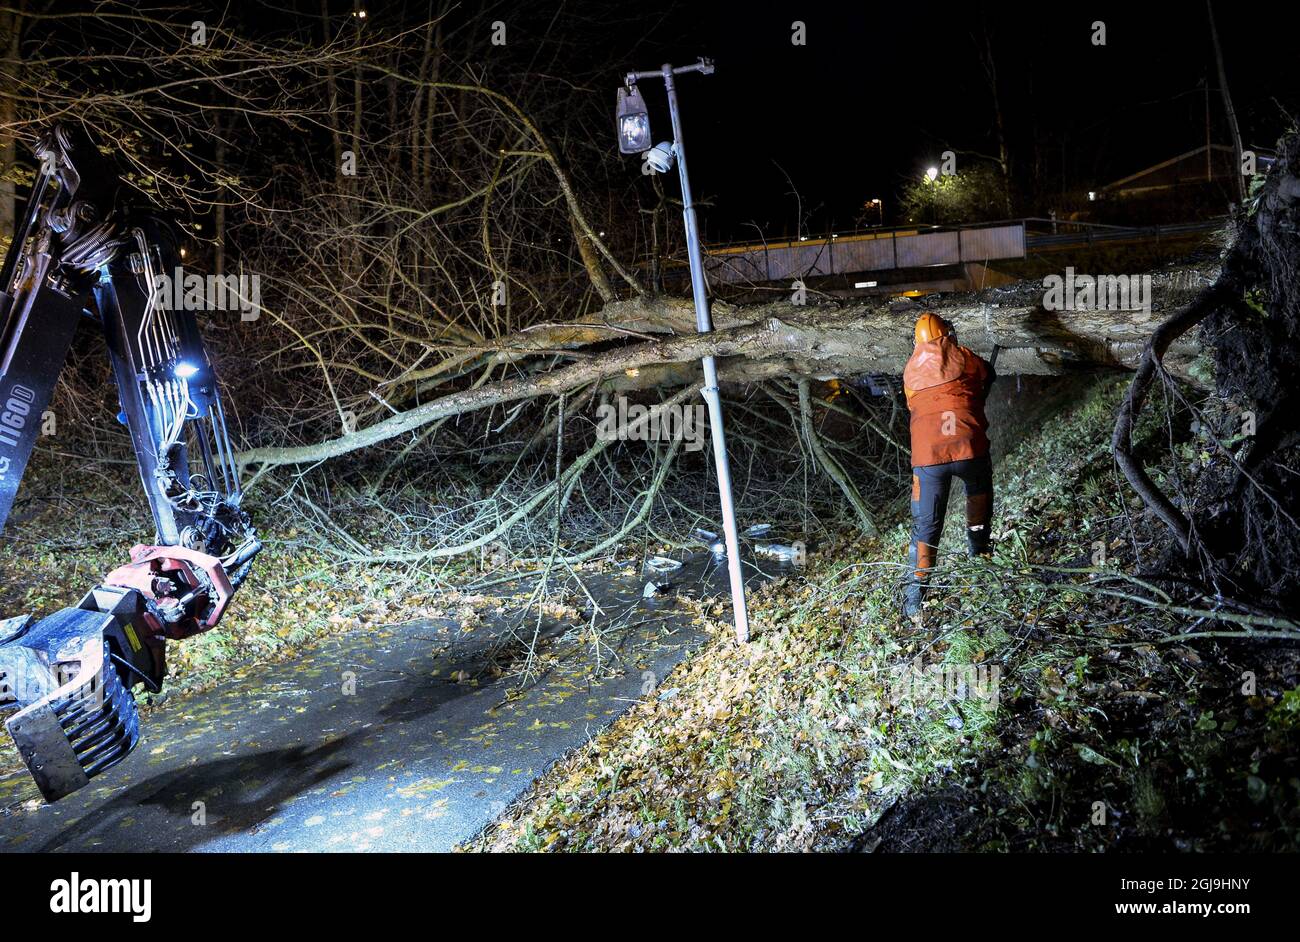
933, 176
634, 138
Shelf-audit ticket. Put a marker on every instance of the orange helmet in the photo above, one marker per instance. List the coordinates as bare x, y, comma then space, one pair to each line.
931, 327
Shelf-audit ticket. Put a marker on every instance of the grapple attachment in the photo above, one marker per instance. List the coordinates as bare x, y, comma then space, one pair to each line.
76, 717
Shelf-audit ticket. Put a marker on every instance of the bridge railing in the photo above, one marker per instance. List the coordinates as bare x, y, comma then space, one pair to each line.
1071, 232
876, 250
881, 250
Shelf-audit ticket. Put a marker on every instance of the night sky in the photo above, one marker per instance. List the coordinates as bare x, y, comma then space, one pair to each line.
880, 90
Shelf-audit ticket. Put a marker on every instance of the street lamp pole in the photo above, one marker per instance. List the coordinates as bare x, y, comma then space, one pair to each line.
704, 324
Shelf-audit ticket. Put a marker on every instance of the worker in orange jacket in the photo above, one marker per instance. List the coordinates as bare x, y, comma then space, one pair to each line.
946, 386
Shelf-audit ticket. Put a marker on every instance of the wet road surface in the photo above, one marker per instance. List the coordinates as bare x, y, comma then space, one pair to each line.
390, 739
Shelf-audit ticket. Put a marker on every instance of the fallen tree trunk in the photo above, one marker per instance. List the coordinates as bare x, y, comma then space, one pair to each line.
660, 348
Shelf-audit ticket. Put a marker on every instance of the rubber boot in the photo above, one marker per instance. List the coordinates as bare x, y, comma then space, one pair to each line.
921, 556
913, 598
979, 517
978, 542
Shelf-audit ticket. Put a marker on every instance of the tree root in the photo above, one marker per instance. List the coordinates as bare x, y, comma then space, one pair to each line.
1148, 368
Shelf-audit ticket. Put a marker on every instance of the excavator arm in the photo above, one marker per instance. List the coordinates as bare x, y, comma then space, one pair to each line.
80, 251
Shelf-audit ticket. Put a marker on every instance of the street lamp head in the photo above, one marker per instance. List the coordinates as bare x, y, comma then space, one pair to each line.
633, 121
660, 157
932, 174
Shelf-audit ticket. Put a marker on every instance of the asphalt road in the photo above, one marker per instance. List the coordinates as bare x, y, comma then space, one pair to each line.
396, 739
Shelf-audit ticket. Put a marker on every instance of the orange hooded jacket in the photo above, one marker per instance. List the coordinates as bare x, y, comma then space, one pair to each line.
946, 385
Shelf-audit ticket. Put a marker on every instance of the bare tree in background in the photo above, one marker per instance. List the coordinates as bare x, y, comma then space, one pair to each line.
436, 275
11, 26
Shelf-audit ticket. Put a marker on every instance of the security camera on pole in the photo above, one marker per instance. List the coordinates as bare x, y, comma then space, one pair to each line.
633, 123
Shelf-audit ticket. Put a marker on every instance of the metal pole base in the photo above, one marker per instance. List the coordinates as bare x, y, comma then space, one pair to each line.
729, 533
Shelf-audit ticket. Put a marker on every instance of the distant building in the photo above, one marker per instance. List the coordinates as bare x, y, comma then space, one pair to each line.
1194, 168
1194, 185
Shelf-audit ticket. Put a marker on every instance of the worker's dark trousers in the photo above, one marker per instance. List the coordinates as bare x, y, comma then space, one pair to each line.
930, 487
